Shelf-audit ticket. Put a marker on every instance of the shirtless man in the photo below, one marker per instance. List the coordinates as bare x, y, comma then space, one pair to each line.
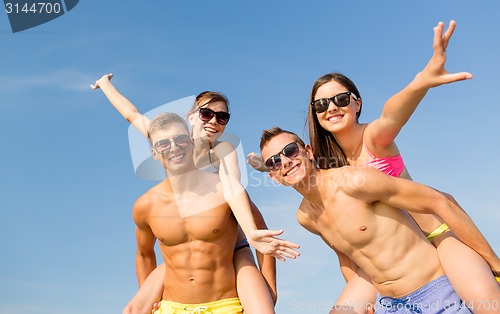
194, 226
356, 212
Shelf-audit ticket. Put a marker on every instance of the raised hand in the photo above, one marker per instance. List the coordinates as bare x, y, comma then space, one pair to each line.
434, 73
265, 241
104, 78
256, 162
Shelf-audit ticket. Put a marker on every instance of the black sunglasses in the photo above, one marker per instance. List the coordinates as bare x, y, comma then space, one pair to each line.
207, 115
291, 150
163, 146
340, 100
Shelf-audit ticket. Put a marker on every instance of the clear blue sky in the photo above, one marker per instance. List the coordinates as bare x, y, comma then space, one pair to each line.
67, 184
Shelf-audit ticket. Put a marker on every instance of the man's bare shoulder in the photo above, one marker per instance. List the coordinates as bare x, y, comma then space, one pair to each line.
304, 218
147, 200
350, 179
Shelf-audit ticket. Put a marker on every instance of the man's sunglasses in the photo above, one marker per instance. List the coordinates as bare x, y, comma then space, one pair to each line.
207, 115
340, 100
291, 150
163, 146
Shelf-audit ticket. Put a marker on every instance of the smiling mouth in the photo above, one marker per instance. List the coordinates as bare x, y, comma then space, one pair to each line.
292, 170
210, 130
177, 157
335, 118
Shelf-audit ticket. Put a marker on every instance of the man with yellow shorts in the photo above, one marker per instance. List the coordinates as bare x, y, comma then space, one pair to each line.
225, 306
195, 227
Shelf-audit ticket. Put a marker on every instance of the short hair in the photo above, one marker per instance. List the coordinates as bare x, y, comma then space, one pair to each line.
163, 120
269, 134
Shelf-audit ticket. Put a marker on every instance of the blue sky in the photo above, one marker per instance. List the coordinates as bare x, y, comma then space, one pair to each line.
68, 184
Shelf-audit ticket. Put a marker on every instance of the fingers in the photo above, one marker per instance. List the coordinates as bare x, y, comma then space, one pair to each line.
438, 39
265, 242
455, 77
105, 76
286, 249
277, 256
273, 233
448, 33
156, 307
279, 243
252, 158
251, 155
289, 253
282, 255
288, 244
441, 41
256, 162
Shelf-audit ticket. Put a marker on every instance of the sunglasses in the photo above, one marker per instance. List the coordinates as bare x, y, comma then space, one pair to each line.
207, 115
163, 146
291, 150
340, 100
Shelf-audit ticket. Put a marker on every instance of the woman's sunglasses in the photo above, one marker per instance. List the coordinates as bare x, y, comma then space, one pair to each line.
291, 150
207, 115
340, 100
163, 146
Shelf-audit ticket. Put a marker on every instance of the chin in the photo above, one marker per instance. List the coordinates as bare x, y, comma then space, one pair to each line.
295, 179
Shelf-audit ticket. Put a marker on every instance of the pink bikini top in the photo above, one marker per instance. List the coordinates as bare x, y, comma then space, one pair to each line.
392, 165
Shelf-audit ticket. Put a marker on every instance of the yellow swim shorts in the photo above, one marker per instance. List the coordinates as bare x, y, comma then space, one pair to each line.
225, 306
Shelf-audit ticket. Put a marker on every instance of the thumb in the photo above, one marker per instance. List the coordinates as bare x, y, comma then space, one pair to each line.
275, 232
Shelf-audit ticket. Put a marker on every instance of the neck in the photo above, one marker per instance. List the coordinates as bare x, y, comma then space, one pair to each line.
185, 181
201, 147
350, 140
308, 186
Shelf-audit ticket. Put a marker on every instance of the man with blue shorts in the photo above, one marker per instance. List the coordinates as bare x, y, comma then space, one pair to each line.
358, 212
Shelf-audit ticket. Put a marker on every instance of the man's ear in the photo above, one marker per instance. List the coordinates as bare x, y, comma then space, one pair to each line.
155, 155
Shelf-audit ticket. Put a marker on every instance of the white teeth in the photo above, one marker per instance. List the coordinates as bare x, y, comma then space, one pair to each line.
293, 170
176, 157
334, 118
211, 130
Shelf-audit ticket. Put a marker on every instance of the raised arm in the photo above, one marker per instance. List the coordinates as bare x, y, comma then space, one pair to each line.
235, 195
399, 108
122, 104
415, 197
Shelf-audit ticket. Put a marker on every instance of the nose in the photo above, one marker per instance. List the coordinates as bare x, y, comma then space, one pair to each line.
332, 106
213, 120
173, 146
285, 161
